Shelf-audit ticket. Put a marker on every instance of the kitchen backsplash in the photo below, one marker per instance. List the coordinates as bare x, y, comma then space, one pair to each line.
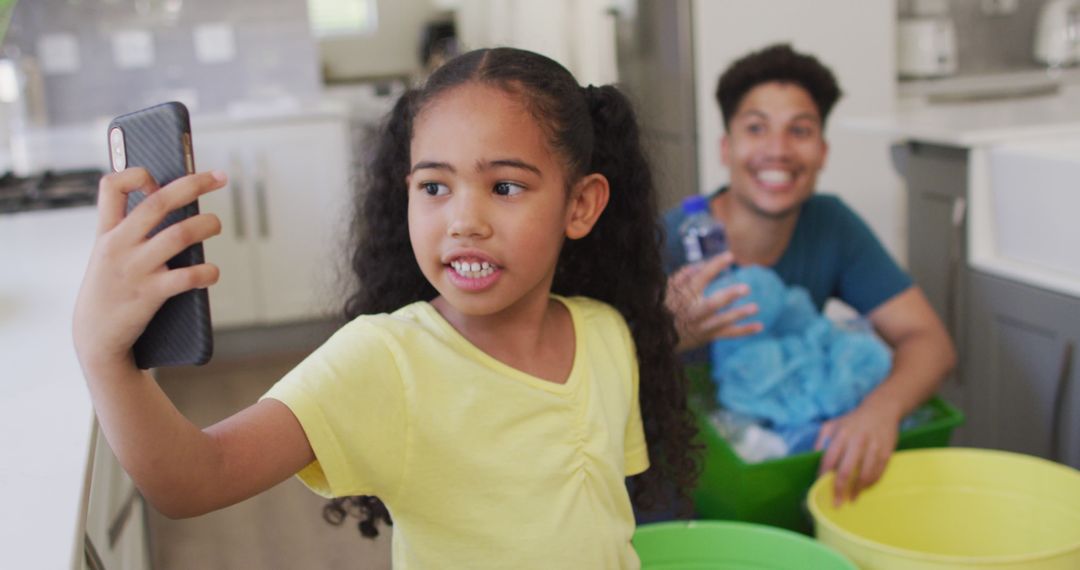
988, 44
100, 58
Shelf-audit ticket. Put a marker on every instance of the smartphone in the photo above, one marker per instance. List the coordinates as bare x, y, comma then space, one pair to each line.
158, 139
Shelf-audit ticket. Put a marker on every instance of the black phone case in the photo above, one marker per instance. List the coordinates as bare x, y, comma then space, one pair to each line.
179, 333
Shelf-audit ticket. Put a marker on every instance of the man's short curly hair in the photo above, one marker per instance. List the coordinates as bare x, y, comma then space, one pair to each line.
777, 62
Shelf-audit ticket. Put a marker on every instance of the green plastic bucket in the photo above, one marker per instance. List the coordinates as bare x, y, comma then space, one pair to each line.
774, 492
731, 545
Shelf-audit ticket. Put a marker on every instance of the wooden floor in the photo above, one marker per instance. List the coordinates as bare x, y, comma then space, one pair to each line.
281, 528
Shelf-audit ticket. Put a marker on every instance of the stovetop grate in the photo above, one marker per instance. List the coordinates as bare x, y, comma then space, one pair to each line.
49, 189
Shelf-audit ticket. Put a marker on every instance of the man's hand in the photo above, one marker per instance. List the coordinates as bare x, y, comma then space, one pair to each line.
699, 319
858, 446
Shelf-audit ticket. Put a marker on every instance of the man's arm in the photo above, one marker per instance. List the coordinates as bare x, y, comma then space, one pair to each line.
923, 351
860, 443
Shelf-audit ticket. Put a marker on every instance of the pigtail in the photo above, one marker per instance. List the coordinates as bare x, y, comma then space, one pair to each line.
370, 510
619, 263
383, 262
383, 265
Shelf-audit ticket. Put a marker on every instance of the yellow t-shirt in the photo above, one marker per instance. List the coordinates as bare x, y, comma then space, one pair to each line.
481, 465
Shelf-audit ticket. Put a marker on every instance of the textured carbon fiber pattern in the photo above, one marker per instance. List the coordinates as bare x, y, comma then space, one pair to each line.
179, 333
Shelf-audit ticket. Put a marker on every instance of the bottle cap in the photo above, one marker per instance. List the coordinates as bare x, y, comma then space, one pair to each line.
694, 204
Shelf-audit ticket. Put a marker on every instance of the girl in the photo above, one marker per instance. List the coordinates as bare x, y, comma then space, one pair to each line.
508, 230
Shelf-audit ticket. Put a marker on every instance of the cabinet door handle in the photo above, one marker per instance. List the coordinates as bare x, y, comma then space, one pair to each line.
260, 197
900, 153
90, 554
236, 187
1062, 392
116, 527
952, 279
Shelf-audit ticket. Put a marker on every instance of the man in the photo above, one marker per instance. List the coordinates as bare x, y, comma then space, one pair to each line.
774, 103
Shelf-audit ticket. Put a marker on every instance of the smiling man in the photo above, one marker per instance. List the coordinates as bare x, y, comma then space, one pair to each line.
774, 103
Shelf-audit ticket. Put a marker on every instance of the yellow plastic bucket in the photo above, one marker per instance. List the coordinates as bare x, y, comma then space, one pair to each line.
951, 509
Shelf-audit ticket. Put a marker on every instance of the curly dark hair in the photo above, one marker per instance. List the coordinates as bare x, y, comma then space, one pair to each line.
593, 129
777, 62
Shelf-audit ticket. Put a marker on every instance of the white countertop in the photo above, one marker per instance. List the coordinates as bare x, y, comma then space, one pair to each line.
84, 145
975, 123
46, 416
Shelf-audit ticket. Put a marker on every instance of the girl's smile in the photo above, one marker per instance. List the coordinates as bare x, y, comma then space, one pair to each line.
472, 271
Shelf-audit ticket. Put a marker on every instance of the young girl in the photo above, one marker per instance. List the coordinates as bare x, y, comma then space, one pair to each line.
510, 317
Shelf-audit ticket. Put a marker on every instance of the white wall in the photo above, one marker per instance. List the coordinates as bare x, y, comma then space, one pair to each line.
856, 39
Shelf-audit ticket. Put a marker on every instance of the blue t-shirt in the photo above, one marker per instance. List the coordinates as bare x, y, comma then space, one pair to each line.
832, 253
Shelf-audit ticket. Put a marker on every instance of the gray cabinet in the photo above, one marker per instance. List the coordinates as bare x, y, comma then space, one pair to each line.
937, 245
1020, 348
1015, 379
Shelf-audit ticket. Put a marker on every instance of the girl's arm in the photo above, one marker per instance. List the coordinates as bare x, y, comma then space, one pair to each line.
182, 470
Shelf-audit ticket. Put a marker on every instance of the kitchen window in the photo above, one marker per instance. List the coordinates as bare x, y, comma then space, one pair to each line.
331, 18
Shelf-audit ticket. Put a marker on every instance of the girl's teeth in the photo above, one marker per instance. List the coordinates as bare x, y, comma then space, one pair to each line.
474, 270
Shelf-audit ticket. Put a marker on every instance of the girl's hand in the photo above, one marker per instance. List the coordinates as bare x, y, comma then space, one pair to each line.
126, 279
698, 319
858, 446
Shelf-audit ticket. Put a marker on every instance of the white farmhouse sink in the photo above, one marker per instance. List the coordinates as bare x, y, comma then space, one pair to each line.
1025, 211
1036, 199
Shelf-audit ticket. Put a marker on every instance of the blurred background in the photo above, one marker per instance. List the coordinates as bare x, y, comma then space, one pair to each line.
954, 140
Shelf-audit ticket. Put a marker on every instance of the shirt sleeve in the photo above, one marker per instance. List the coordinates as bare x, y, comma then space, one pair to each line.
868, 276
350, 400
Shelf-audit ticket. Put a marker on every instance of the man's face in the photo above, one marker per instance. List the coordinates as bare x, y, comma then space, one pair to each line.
774, 148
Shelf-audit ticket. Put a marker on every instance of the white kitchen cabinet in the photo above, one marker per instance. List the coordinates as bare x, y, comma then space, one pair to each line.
116, 531
284, 215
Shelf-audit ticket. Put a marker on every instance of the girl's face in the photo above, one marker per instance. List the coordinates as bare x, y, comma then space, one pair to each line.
774, 149
488, 204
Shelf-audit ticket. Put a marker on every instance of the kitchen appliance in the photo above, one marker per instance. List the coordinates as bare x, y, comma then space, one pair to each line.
22, 106
926, 47
1057, 34
654, 53
49, 189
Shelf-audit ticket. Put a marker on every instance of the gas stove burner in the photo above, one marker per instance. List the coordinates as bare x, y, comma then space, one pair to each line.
65, 184
49, 189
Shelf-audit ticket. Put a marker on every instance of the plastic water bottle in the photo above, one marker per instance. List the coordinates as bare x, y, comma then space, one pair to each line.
702, 236
751, 441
